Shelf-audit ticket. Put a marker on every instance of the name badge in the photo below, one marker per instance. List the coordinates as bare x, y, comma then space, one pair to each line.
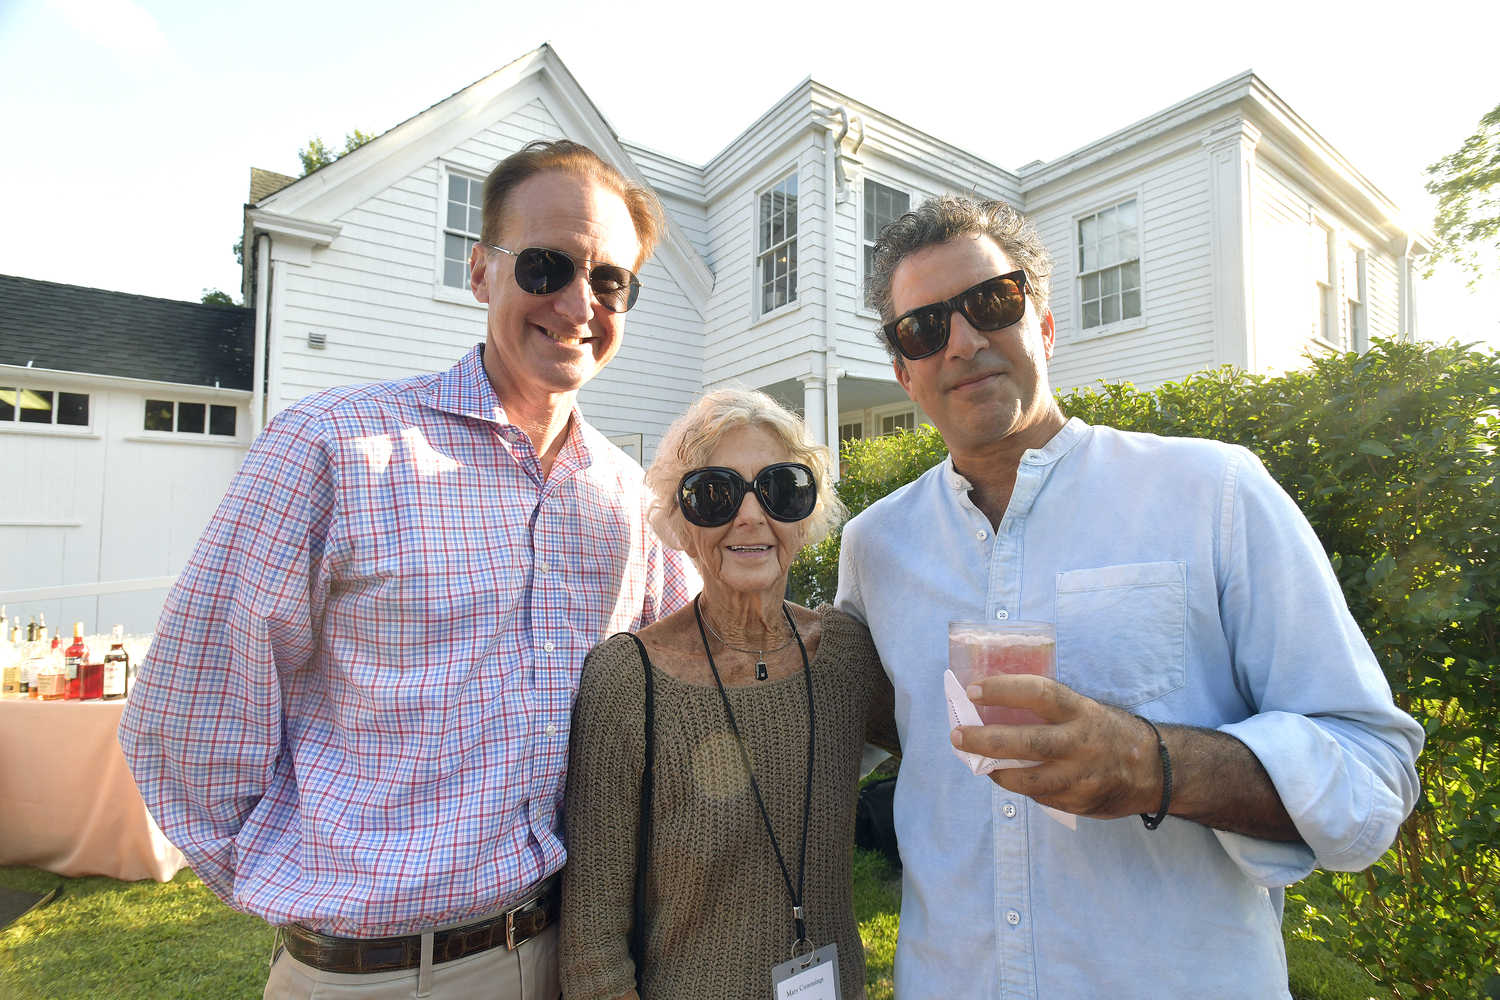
812, 977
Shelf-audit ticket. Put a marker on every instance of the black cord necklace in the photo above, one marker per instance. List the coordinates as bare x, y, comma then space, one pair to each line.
798, 915
760, 654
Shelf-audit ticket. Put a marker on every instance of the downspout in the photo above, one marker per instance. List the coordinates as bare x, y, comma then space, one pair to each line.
262, 316
831, 370
1404, 289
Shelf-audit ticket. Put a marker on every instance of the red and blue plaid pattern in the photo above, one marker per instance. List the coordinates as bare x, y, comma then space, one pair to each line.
355, 712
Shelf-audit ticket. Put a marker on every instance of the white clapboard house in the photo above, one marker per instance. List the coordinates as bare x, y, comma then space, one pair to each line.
1220, 230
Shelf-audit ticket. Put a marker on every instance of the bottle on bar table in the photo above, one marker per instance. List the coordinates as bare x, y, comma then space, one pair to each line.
10, 663
74, 658
36, 658
52, 678
117, 668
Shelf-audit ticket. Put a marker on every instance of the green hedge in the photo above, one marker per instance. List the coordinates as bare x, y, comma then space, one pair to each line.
1391, 455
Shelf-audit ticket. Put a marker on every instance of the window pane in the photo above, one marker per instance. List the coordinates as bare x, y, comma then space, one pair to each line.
1087, 230
1091, 286
1130, 246
458, 215
791, 188
453, 274
1127, 215
7, 404
458, 188
36, 406
73, 408
1107, 223
1130, 304
158, 415
476, 221
221, 420
791, 216
1090, 260
1109, 251
453, 247
476, 194
190, 417
1109, 281
1111, 305
1090, 314
1130, 274
869, 263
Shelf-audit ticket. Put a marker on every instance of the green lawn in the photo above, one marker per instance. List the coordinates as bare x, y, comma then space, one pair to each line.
104, 939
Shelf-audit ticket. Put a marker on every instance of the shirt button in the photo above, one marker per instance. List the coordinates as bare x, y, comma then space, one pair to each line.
543, 566
1002, 614
548, 646
551, 729
1009, 810
982, 535
1012, 917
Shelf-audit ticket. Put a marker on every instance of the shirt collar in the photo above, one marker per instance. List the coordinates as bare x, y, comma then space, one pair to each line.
465, 390
1062, 442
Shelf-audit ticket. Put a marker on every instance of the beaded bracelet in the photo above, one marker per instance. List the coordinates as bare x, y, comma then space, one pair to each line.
1152, 822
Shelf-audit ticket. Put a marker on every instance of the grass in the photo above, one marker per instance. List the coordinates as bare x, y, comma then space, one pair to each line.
106, 939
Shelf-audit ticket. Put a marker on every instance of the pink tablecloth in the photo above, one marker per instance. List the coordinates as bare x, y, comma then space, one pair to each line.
67, 801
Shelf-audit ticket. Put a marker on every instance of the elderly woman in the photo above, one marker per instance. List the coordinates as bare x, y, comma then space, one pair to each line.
752, 713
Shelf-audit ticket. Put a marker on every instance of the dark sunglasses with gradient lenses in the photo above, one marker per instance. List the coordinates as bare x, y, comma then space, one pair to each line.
990, 305
711, 497
541, 272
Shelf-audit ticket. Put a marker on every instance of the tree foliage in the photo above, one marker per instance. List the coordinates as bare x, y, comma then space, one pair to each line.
318, 154
215, 297
1467, 185
1392, 457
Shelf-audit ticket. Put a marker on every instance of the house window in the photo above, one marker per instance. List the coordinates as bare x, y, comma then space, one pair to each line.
1352, 272
1325, 308
883, 205
893, 423
777, 261
461, 227
851, 432
1109, 265
191, 418
43, 406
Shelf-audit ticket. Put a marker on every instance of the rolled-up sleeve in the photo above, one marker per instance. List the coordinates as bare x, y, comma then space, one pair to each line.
203, 729
1341, 754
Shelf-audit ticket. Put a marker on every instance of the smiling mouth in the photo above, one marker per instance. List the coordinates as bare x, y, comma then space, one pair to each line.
749, 548
566, 339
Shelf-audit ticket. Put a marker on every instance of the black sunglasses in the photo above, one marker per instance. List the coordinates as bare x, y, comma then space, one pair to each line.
711, 497
541, 272
992, 304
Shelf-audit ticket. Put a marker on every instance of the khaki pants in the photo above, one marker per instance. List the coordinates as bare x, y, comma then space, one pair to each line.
528, 973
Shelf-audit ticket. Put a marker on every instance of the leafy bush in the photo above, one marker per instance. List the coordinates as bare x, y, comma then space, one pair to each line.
1391, 455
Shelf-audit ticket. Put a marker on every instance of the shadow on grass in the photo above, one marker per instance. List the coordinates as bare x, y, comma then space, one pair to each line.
109, 939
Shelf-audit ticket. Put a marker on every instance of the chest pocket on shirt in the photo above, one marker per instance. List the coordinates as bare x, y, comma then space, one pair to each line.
1122, 631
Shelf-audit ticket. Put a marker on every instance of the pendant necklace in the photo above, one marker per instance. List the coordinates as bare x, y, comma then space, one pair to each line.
760, 654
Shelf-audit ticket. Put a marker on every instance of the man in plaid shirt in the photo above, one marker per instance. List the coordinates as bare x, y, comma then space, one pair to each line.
354, 717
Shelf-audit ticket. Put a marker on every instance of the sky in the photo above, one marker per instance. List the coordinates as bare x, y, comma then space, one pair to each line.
127, 130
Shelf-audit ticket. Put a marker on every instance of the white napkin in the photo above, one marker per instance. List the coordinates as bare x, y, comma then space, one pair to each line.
961, 712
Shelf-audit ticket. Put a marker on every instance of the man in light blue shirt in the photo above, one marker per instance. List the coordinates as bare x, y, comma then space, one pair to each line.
1186, 588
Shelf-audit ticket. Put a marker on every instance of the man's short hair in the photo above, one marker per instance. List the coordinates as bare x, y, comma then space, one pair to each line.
577, 159
938, 220
693, 437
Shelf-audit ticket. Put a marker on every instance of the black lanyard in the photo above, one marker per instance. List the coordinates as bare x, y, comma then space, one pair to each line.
797, 913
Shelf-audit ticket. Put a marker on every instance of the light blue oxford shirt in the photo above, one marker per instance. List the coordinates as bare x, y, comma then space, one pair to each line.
1185, 587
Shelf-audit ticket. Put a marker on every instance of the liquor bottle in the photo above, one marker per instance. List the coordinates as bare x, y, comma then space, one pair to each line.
75, 657
36, 657
117, 668
52, 678
10, 663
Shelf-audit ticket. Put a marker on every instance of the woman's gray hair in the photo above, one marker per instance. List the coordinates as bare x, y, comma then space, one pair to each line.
693, 437
938, 220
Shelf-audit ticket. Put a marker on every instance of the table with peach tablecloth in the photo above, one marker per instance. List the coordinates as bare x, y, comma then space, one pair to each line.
67, 801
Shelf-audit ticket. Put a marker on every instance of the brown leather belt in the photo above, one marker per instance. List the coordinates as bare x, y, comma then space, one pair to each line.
511, 928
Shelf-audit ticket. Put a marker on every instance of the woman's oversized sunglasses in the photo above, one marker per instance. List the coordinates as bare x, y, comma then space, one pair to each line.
788, 491
541, 272
990, 305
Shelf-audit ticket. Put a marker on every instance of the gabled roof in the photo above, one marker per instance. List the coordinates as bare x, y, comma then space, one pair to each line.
328, 192
71, 328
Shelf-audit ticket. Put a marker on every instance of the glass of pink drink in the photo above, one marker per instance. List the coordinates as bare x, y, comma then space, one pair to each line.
983, 649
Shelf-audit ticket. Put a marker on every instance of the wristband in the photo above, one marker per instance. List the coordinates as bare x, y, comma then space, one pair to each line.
1152, 822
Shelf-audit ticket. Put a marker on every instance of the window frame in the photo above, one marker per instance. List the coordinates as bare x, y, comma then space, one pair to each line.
861, 306
1075, 252
779, 177
878, 415
1328, 313
16, 425
441, 290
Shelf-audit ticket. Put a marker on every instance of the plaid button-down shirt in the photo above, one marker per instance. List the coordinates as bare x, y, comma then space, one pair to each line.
355, 712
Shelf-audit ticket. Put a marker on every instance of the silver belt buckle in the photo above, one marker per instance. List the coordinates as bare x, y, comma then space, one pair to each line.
510, 923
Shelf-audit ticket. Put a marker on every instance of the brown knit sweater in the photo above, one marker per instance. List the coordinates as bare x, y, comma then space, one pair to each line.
719, 914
